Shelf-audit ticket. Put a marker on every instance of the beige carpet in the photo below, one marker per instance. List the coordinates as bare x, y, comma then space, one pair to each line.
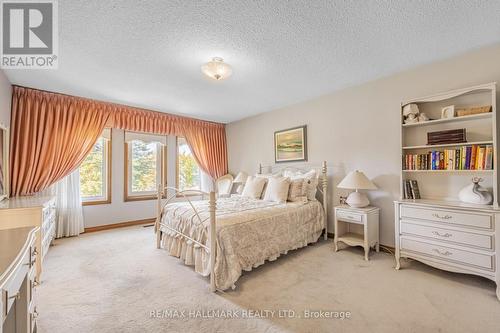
111, 282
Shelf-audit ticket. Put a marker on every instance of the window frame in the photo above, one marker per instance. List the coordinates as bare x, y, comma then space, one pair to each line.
163, 177
108, 173
177, 171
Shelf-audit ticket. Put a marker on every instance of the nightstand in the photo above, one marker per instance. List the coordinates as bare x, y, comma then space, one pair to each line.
357, 227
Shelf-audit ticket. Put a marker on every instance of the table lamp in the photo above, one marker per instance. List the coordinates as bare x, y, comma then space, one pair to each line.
356, 180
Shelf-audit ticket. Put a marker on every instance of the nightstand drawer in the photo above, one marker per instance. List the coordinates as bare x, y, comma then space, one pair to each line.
345, 215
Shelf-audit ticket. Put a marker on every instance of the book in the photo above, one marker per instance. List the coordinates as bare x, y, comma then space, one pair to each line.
480, 159
407, 188
472, 163
414, 189
488, 164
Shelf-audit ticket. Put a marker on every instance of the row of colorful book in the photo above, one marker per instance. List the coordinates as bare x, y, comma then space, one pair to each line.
410, 189
472, 157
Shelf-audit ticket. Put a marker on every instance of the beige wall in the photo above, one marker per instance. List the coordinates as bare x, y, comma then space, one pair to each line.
5, 99
358, 128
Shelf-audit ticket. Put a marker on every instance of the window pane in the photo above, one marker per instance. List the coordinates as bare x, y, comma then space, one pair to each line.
189, 172
144, 158
92, 172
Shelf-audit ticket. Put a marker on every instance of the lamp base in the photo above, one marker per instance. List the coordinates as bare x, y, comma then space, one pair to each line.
357, 200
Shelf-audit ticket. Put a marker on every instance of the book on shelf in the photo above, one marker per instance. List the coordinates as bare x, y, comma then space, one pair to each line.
474, 157
410, 189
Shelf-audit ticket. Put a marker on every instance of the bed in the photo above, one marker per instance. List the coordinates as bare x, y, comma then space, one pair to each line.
223, 237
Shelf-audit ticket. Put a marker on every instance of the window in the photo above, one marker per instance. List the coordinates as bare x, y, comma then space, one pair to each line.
188, 172
95, 172
145, 165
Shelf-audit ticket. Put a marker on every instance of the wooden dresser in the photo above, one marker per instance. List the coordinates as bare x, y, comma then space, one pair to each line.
18, 257
31, 211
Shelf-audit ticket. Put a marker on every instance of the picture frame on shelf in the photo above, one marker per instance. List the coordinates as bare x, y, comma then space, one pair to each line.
448, 112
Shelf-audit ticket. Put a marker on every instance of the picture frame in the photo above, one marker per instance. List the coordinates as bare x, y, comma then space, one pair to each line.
290, 145
448, 112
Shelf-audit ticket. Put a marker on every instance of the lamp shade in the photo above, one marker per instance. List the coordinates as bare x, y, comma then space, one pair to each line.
356, 180
241, 177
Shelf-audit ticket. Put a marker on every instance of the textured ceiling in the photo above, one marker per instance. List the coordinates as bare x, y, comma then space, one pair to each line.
148, 53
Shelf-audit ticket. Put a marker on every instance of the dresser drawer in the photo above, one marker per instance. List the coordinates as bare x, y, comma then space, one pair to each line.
448, 253
483, 221
12, 289
345, 215
447, 235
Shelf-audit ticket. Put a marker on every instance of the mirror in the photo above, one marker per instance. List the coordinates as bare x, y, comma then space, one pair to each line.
4, 162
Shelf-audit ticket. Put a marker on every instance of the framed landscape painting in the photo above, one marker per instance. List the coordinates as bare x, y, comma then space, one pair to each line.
290, 145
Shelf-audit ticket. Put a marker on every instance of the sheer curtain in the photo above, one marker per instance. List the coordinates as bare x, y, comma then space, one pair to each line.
69, 220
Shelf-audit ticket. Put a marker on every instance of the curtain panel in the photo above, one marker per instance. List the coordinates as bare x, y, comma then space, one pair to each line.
207, 140
50, 136
52, 133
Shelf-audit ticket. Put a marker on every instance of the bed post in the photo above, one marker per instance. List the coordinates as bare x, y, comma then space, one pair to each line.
213, 242
324, 185
158, 217
260, 168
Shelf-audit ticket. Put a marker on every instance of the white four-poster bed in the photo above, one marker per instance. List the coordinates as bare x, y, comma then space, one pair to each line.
222, 237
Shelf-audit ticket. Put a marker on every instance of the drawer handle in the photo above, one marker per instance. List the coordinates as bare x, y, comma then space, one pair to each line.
446, 253
30, 263
446, 235
445, 217
16, 296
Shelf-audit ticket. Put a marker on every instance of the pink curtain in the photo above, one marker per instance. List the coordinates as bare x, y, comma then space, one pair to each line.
52, 133
50, 136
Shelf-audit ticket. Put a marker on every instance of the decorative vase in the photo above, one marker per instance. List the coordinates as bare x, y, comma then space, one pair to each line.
475, 194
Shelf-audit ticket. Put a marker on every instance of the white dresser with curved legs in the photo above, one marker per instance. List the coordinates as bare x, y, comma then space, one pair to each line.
462, 239
18, 257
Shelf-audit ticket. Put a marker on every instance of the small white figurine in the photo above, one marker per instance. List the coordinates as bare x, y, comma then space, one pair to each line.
475, 194
410, 113
422, 117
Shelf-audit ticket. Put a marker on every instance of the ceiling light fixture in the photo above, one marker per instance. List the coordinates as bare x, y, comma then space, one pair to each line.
217, 69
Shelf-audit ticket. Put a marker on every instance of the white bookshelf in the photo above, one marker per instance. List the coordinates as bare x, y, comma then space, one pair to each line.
438, 229
481, 129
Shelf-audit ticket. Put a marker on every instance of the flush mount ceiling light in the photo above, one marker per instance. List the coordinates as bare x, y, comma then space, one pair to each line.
217, 69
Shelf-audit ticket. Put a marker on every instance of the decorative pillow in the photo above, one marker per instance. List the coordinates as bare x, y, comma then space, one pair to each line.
266, 176
277, 189
296, 191
253, 187
310, 180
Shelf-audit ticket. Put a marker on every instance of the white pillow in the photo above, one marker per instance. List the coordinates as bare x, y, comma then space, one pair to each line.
310, 180
253, 187
266, 176
277, 189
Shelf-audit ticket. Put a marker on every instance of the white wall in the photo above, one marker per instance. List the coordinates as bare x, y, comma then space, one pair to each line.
119, 210
359, 127
5, 99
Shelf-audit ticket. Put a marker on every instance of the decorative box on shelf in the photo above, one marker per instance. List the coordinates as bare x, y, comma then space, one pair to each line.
438, 229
